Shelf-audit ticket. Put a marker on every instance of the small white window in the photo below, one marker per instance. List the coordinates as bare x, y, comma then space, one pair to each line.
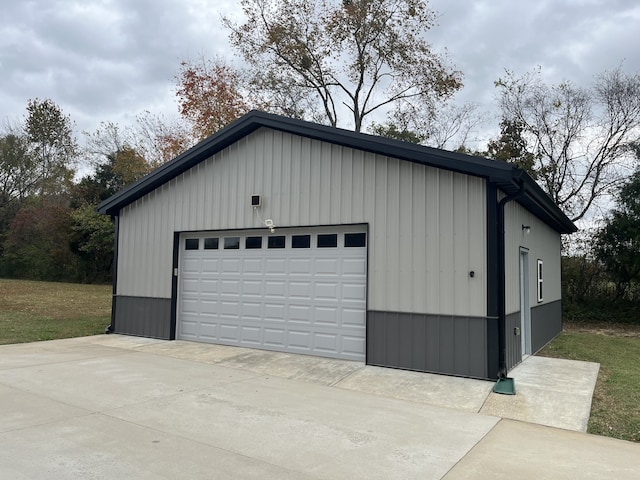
540, 279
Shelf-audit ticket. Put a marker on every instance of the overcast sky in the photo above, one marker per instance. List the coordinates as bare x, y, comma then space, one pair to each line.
113, 59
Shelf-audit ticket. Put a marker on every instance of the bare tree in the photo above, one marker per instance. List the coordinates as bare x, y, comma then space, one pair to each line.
579, 137
448, 126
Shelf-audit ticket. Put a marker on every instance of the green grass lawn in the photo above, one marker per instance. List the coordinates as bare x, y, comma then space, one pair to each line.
615, 411
32, 311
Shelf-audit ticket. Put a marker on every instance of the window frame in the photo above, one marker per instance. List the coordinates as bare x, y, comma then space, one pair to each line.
211, 243
326, 236
540, 280
271, 242
192, 244
228, 246
253, 242
296, 238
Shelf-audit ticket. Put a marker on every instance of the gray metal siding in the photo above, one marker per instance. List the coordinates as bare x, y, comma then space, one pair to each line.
143, 316
546, 323
514, 342
427, 225
542, 243
447, 344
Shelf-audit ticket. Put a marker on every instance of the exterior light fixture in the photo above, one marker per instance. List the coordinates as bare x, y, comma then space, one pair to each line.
526, 229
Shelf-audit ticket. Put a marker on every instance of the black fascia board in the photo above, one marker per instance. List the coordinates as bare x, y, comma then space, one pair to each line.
500, 173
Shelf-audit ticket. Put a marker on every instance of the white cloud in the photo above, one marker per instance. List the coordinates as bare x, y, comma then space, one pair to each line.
109, 60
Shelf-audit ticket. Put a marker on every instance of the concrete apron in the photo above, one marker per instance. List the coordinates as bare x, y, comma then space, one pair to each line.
549, 391
125, 407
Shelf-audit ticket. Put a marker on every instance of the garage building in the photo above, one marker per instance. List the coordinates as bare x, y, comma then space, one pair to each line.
285, 235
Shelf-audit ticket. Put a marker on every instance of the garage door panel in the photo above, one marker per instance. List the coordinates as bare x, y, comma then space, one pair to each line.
190, 328
299, 340
352, 317
229, 331
305, 300
275, 266
209, 330
274, 312
190, 305
191, 286
300, 266
326, 291
230, 309
251, 335
230, 287
353, 292
274, 288
300, 290
252, 266
251, 310
300, 314
353, 346
231, 265
325, 342
209, 286
274, 337
326, 266
252, 288
353, 266
326, 316
209, 307
210, 265
191, 265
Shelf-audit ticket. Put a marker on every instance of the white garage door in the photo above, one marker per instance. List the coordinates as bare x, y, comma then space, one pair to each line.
301, 291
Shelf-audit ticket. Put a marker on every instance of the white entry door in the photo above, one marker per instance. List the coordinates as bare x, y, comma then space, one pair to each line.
295, 290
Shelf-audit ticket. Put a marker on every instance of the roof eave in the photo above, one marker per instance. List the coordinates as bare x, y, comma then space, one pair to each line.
500, 173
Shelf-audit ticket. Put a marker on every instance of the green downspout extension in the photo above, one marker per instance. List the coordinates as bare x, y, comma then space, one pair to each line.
504, 385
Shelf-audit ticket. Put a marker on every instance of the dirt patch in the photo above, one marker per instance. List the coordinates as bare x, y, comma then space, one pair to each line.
604, 328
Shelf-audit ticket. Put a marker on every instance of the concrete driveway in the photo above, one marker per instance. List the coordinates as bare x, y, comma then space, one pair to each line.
123, 407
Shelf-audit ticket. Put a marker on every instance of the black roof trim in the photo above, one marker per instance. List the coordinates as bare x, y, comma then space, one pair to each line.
500, 173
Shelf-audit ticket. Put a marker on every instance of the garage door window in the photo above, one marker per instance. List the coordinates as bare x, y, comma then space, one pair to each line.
231, 243
355, 239
192, 244
253, 243
276, 242
211, 244
329, 240
301, 241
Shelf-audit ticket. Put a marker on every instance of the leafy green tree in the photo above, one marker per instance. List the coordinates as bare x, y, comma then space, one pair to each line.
511, 146
92, 240
92, 234
16, 167
390, 130
16, 181
52, 145
347, 58
37, 244
618, 242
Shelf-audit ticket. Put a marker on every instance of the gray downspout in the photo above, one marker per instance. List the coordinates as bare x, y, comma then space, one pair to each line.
502, 320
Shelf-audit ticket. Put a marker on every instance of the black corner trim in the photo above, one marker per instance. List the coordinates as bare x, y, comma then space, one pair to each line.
493, 276
174, 286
